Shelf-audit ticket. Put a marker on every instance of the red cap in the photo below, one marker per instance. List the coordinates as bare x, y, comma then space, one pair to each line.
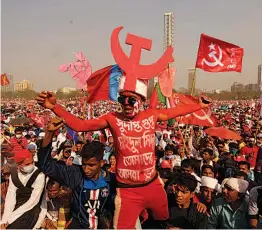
165, 164
22, 155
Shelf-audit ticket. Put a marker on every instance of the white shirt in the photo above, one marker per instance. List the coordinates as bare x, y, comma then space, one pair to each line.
77, 159
10, 215
60, 139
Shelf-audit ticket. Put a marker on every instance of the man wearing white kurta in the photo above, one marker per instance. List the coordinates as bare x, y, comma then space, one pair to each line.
26, 185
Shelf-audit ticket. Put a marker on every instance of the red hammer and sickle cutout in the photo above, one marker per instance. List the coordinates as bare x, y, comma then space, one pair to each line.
130, 65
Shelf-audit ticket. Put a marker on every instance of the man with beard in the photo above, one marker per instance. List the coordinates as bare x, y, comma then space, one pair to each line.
230, 210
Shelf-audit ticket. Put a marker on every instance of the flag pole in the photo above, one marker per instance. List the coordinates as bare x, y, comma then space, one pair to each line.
193, 84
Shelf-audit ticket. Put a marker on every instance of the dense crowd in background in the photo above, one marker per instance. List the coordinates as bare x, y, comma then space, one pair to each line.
210, 182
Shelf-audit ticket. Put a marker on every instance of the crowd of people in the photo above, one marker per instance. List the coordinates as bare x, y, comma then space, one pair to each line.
52, 179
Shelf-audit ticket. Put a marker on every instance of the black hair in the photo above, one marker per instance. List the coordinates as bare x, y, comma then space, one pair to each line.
244, 163
187, 181
27, 137
233, 145
207, 167
19, 129
93, 149
112, 154
51, 183
79, 142
165, 173
169, 148
241, 174
186, 163
209, 151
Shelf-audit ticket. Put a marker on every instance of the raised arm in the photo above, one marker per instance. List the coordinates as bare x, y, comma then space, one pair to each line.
48, 100
180, 110
70, 176
78, 124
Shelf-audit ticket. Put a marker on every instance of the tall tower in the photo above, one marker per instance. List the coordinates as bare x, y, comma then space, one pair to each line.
168, 33
191, 74
259, 76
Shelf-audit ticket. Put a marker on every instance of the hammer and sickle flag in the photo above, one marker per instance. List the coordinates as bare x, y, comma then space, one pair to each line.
4, 80
215, 55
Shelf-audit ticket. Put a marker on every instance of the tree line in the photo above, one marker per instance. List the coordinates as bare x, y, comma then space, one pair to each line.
223, 95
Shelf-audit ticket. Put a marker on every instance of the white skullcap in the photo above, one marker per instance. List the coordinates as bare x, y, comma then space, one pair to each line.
210, 183
237, 184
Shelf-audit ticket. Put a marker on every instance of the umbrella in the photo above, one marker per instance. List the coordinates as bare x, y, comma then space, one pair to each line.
222, 133
20, 121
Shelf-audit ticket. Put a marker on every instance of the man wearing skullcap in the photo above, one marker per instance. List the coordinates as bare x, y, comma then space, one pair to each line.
208, 190
230, 210
26, 185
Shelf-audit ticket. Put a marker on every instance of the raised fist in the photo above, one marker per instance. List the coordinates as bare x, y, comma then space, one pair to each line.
46, 99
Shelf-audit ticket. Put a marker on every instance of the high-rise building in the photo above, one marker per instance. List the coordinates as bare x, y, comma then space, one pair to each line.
23, 85
259, 76
10, 86
191, 75
168, 33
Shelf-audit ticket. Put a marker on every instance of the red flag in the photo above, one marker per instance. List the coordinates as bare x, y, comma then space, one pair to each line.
215, 55
154, 99
203, 117
4, 80
39, 121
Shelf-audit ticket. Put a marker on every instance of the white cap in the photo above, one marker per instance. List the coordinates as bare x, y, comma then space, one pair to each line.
141, 87
237, 184
210, 183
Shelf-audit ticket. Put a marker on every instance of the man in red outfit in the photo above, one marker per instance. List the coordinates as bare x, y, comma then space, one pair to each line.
134, 133
133, 130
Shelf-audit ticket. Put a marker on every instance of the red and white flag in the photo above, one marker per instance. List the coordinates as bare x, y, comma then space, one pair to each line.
38, 120
203, 117
215, 55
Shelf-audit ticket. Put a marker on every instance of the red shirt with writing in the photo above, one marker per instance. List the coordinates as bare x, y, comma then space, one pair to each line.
134, 140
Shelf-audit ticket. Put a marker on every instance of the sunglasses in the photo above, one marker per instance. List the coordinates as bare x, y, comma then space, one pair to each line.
131, 100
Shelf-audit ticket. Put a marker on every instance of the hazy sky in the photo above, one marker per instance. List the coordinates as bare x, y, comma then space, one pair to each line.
40, 35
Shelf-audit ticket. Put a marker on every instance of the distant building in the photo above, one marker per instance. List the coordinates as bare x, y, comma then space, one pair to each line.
237, 87
23, 85
251, 87
191, 75
10, 86
259, 76
66, 90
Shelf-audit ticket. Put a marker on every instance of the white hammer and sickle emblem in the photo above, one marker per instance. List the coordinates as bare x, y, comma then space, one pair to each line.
206, 116
213, 55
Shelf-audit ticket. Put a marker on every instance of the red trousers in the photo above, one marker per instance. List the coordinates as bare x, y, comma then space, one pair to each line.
130, 202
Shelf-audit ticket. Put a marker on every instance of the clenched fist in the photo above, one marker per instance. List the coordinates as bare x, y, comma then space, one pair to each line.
46, 99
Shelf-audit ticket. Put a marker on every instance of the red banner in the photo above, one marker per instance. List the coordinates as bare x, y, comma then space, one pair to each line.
203, 117
215, 55
40, 121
